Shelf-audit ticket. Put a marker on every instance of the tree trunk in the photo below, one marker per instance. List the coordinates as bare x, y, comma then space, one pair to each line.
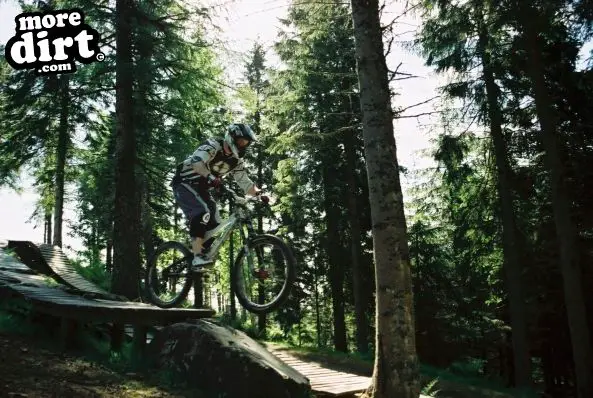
396, 370
362, 327
126, 227
48, 228
62, 150
175, 216
198, 292
511, 248
261, 321
148, 234
108, 256
317, 306
566, 230
231, 258
336, 274
145, 52
95, 242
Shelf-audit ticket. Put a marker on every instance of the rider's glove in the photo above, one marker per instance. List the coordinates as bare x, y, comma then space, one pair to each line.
214, 181
264, 198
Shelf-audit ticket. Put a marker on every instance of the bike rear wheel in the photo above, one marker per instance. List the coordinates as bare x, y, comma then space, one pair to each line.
168, 275
263, 275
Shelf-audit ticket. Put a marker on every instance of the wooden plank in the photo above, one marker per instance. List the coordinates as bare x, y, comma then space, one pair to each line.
60, 264
32, 292
9, 263
311, 370
116, 315
63, 304
323, 380
50, 260
337, 385
339, 378
337, 391
30, 256
343, 382
314, 372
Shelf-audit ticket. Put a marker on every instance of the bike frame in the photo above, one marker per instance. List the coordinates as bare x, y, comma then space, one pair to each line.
239, 218
223, 231
226, 227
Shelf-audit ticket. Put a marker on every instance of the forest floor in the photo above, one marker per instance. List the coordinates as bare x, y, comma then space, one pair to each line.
435, 383
33, 366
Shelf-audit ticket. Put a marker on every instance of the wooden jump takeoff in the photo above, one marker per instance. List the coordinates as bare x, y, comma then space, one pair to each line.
28, 286
75, 300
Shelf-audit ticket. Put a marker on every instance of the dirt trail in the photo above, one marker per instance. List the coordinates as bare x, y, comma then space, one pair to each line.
31, 371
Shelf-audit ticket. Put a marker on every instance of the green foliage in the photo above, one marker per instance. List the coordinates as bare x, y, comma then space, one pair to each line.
304, 115
456, 252
458, 38
471, 367
311, 109
247, 325
11, 323
94, 272
430, 388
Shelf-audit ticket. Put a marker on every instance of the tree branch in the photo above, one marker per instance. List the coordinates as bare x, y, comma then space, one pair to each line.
389, 44
417, 115
96, 91
418, 104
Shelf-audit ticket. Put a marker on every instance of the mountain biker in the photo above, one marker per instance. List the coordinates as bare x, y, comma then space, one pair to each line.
214, 158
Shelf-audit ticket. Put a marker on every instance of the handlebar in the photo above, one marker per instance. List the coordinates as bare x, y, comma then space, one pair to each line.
241, 201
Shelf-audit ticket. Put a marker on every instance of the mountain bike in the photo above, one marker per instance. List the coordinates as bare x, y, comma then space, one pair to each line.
169, 273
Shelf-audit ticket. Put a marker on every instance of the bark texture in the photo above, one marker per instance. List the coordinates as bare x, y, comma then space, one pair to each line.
565, 226
334, 250
61, 153
362, 327
126, 225
511, 248
396, 370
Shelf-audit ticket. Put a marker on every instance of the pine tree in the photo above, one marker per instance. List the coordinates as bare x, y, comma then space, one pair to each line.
396, 372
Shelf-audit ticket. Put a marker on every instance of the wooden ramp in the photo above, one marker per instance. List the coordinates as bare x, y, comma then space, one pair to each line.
50, 260
28, 253
35, 290
38, 293
324, 381
59, 263
8, 263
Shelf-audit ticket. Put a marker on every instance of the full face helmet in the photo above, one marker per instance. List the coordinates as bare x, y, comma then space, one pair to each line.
238, 137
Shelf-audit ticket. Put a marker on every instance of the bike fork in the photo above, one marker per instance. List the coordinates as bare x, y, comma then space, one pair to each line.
250, 262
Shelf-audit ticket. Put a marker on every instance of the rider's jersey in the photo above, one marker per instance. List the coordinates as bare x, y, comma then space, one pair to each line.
211, 159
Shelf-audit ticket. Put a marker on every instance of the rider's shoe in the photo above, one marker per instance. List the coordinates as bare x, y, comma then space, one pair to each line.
200, 263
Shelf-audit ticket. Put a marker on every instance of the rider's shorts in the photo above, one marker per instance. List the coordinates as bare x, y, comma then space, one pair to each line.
196, 203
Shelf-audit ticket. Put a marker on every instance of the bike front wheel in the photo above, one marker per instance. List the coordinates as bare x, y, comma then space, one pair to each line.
263, 274
168, 275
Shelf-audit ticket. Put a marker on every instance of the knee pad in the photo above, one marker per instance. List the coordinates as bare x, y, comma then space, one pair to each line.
197, 226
